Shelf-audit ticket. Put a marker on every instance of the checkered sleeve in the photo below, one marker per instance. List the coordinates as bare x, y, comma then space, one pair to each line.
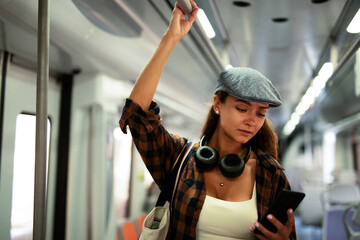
157, 147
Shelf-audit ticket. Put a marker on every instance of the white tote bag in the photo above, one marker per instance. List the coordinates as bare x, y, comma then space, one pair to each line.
157, 222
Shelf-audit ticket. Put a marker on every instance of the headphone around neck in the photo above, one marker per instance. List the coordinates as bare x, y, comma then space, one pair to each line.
230, 165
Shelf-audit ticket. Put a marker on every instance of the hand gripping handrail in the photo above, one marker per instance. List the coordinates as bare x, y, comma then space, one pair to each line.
186, 7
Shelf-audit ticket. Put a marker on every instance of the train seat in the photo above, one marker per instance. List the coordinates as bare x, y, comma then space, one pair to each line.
139, 222
335, 200
352, 226
341, 194
127, 231
310, 209
333, 225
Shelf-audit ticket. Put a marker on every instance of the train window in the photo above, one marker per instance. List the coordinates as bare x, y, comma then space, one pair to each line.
122, 168
23, 175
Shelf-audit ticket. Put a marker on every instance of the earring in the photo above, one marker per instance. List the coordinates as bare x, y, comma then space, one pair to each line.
217, 112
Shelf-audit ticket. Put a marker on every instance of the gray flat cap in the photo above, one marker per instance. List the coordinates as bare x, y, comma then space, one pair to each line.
249, 85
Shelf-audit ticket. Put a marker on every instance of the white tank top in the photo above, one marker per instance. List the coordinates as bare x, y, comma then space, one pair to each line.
224, 220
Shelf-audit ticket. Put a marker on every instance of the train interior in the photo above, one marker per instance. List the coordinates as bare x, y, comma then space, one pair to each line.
97, 186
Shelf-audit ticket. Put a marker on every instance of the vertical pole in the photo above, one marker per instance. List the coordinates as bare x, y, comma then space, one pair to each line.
5, 56
41, 121
89, 221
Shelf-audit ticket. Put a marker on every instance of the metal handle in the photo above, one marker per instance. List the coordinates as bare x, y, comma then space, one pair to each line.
185, 6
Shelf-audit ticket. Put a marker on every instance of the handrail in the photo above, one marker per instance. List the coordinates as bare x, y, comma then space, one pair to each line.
186, 7
39, 221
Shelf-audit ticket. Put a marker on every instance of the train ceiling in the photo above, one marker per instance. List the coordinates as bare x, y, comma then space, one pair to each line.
283, 39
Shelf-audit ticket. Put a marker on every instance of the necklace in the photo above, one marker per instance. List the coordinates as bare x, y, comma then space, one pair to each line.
221, 181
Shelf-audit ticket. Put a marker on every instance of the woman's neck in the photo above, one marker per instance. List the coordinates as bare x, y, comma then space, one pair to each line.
224, 144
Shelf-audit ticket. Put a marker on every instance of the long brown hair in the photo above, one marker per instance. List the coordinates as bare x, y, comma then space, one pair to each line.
265, 140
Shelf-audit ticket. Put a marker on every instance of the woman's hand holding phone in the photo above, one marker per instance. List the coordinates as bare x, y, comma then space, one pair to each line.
283, 230
279, 220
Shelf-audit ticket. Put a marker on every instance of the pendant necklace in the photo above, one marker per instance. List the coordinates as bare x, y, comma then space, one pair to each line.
221, 181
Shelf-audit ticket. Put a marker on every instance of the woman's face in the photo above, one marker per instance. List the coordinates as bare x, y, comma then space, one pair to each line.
240, 120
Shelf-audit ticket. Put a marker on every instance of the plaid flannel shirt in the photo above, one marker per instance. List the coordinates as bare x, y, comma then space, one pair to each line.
159, 149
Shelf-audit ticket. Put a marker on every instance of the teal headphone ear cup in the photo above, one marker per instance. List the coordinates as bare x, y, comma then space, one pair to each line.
206, 158
232, 165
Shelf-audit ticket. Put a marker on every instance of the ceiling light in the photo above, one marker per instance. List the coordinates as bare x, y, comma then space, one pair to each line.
326, 70
318, 1
317, 85
289, 127
301, 108
319, 82
309, 97
354, 26
241, 4
280, 20
295, 118
209, 30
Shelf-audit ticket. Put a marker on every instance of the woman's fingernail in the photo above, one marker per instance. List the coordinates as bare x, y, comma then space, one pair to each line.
251, 228
291, 211
270, 217
257, 225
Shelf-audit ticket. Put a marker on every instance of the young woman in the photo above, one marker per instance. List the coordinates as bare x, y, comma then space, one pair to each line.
221, 201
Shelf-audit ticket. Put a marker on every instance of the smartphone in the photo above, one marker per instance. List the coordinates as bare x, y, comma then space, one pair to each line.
285, 199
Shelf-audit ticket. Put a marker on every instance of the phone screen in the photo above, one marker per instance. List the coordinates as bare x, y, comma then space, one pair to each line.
286, 199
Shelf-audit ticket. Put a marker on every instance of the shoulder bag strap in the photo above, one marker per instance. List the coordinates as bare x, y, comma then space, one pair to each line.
183, 163
171, 182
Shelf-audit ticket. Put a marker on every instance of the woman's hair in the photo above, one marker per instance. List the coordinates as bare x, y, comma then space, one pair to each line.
265, 140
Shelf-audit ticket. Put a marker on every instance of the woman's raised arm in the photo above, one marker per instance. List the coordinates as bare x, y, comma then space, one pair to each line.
146, 85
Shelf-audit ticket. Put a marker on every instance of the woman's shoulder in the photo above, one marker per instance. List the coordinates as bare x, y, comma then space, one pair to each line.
270, 168
267, 161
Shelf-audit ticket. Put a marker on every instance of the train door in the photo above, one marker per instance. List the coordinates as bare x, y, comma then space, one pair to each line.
18, 154
106, 183
93, 163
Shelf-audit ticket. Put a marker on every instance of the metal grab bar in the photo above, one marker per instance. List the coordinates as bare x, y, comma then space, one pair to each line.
186, 7
39, 221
